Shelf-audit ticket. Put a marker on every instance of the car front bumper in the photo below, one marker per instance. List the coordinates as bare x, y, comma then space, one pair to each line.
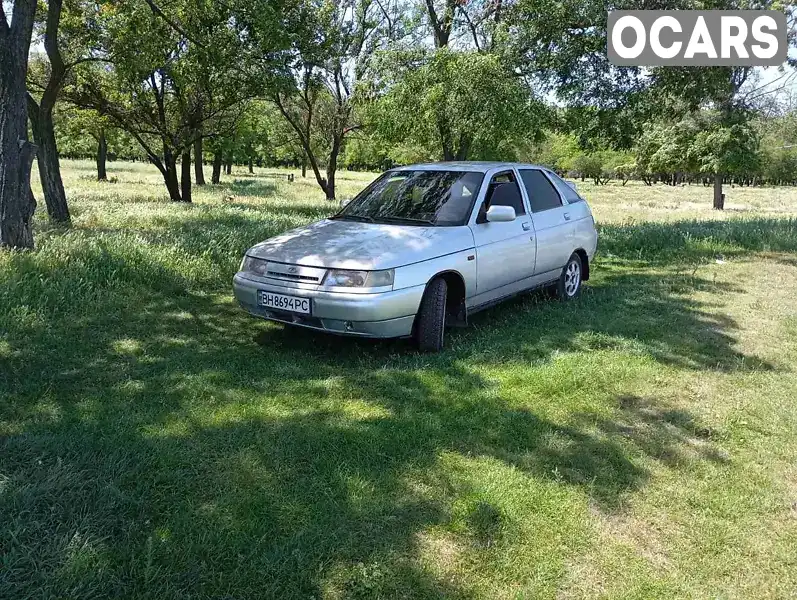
384, 315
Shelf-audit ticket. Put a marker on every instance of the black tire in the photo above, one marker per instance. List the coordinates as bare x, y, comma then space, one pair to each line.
569, 285
430, 323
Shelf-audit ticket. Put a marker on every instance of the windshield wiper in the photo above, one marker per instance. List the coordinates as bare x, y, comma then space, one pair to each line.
406, 220
354, 218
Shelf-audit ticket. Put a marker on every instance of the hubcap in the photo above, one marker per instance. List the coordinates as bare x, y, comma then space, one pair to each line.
572, 278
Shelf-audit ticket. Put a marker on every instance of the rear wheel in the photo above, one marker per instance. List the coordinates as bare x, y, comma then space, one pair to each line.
569, 284
430, 322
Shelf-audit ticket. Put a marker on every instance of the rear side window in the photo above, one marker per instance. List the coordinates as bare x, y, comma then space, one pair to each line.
570, 194
542, 193
503, 191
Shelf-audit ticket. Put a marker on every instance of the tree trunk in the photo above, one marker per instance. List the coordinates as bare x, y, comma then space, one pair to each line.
719, 197
304, 165
16, 153
185, 176
169, 172
218, 161
102, 156
41, 120
199, 173
251, 165
332, 167
228, 166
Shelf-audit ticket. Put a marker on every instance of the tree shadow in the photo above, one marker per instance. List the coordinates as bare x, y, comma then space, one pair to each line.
249, 188
648, 314
149, 446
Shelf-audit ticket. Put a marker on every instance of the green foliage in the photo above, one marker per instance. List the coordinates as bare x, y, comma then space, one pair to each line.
724, 149
78, 131
556, 151
366, 152
700, 143
171, 79
600, 166
457, 106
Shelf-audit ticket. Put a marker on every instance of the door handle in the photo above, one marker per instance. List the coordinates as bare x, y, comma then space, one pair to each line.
526, 226
567, 216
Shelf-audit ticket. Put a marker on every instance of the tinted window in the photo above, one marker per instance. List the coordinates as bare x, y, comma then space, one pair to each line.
570, 194
422, 197
503, 191
542, 194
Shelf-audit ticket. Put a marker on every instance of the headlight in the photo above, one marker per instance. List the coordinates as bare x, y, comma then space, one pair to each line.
367, 279
250, 264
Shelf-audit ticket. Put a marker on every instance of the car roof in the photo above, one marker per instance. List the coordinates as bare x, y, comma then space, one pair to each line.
466, 165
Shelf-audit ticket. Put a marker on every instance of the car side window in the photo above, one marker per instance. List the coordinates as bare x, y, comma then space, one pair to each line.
570, 194
502, 191
542, 193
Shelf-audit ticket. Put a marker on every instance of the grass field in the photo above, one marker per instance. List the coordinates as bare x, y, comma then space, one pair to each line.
156, 442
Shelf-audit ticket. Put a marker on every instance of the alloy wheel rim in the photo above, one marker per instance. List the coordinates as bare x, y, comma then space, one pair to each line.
572, 278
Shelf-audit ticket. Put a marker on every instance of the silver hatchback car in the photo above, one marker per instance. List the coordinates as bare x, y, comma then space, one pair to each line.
423, 247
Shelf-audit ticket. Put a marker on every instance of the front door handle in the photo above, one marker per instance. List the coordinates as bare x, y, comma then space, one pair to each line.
567, 216
526, 226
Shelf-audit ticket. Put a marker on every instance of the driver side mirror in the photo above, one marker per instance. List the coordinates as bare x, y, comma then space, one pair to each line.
500, 214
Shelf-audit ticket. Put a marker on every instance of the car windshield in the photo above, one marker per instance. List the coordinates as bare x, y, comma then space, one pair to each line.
419, 197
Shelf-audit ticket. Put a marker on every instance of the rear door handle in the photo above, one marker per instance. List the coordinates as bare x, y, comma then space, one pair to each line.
526, 226
567, 216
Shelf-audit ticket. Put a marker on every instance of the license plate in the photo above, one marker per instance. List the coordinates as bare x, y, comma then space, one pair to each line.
282, 302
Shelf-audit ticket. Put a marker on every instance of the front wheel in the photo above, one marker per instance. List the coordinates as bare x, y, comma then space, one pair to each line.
430, 322
569, 284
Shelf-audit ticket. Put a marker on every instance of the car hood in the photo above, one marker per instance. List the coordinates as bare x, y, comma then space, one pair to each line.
367, 246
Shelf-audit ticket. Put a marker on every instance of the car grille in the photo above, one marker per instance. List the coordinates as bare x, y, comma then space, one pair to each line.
295, 273
292, 276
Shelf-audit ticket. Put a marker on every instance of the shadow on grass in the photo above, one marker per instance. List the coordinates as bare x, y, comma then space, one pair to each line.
149, 447
249, 187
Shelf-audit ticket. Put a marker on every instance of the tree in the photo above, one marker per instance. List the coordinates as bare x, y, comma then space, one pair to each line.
171, 79
561, 46
464, 25
556, 151
723, 147
83, 133
593, 166
16, 152
67, 34
457, 105
331, 44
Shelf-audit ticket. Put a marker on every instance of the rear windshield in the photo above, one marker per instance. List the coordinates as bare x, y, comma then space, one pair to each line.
422, 197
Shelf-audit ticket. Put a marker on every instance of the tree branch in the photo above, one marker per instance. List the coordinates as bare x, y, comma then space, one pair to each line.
88, 59
472, 28
438, 32
57, 67
171, 23
51, 36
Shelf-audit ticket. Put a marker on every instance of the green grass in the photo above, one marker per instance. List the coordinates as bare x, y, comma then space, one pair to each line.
156, 442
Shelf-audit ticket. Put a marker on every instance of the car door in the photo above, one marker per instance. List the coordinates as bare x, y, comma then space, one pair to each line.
584, 234
505, 252
553, 225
